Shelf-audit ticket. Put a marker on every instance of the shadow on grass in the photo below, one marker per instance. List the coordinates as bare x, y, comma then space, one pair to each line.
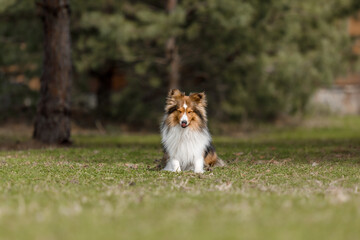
293, 150
26, 143
147, 149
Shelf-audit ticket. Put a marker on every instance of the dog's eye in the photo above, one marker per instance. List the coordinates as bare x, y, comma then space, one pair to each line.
179, 110
190, 111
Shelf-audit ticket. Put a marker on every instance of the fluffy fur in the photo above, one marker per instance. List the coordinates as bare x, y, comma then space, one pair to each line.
185, 137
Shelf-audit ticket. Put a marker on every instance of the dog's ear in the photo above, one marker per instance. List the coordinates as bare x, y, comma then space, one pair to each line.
199, 98
174, 93
172, 100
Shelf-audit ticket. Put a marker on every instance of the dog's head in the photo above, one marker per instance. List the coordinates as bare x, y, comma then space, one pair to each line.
187, 111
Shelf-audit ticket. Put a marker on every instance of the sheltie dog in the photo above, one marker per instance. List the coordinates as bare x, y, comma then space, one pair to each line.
185, 136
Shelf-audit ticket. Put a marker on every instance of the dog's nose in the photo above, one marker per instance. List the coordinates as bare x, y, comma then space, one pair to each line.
183, 123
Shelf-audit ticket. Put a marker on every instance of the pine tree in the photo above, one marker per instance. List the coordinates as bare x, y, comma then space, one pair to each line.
52, 124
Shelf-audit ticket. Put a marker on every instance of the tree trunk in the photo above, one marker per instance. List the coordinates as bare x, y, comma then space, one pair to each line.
172, 53
52, 122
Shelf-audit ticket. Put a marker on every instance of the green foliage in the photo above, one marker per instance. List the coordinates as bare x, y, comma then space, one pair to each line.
269, 60
16, 100
255, 59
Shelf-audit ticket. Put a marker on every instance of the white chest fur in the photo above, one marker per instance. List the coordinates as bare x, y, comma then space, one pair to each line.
185, 145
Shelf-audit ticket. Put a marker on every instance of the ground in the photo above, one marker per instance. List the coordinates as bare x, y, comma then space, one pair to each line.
280, 183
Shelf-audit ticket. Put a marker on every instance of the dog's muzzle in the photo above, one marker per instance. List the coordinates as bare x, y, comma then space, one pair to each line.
184, 124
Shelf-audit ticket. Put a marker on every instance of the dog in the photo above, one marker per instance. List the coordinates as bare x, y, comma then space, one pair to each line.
185, 136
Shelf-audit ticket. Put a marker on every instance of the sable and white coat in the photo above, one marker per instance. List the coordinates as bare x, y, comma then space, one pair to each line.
185, 136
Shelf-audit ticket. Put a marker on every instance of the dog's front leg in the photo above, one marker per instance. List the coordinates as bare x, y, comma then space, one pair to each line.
199, 165
173, 165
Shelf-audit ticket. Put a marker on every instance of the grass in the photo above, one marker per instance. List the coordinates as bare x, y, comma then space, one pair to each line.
296, 183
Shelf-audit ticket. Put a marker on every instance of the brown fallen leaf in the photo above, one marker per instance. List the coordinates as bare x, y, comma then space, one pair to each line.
131, 165
272, 161
238, 153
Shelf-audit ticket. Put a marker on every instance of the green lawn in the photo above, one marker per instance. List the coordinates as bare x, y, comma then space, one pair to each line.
299, 183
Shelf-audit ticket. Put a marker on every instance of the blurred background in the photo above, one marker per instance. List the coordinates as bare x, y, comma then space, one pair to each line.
260, 61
